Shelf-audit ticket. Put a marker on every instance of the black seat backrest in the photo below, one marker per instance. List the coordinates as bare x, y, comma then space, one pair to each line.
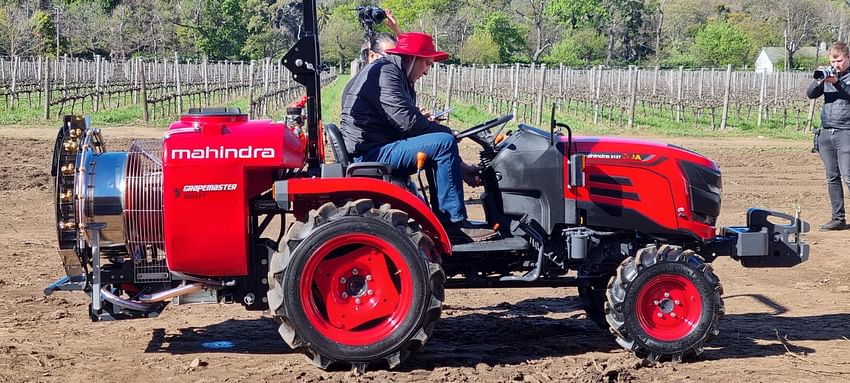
360, 169
338, 145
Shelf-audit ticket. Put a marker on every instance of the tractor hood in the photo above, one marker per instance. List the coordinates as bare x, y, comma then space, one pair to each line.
629, 149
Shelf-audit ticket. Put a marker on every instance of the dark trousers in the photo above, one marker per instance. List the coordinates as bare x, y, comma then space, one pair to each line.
834, 148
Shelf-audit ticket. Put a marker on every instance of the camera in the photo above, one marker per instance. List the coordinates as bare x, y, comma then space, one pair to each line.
823, 73
369, 16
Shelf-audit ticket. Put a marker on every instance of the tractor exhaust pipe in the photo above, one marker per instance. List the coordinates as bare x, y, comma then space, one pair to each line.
145, 301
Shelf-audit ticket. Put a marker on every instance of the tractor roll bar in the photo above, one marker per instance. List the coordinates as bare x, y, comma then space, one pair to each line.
304, 62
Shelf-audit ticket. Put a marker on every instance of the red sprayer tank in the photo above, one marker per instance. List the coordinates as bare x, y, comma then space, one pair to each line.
212, 166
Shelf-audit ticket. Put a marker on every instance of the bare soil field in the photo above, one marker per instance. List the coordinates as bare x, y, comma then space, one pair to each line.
781, 325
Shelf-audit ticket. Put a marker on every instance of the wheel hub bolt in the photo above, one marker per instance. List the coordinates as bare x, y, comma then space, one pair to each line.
342, 280
677, 303
357, 301
660, 315
655, 302
355, 271
666, 295
673, 315
370, 292
344, 295
369, 277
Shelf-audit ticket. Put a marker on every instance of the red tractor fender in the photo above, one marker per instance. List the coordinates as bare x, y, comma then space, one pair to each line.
302, 194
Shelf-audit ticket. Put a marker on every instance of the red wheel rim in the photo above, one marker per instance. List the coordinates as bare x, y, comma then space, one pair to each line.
356, 289
669, 307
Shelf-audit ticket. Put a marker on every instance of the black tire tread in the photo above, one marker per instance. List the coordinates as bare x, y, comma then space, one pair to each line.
619, 285
301, 230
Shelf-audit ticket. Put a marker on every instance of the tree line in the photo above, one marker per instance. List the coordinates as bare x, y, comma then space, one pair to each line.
667, 33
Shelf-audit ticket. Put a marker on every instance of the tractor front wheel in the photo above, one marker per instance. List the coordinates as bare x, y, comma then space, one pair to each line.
664, 302
356, 285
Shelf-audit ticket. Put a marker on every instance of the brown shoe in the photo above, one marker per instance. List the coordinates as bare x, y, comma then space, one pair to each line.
465, 231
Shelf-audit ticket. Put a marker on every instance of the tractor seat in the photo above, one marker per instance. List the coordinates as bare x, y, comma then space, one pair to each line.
368, 169
354, 169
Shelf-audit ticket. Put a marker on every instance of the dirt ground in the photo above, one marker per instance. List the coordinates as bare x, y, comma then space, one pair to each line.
527, 335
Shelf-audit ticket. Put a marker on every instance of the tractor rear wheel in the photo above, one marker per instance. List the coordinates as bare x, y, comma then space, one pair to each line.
356, 285
664, 302
592, 295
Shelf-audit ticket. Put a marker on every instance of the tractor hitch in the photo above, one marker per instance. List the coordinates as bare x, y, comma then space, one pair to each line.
762, 242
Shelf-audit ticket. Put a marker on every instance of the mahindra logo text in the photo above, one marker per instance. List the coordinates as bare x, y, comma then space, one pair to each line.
222, 153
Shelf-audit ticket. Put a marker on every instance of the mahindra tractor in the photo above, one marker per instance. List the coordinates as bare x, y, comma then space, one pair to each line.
355, 274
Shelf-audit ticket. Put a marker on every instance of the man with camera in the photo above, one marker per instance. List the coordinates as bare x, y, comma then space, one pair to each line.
832, 140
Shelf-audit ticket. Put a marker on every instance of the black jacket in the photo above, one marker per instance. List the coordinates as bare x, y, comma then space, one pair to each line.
379, 107
836, 102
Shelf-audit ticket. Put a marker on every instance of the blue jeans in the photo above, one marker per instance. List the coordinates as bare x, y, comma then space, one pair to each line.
442, 152
834, 148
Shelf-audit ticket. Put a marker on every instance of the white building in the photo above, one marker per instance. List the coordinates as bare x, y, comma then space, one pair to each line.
773, 58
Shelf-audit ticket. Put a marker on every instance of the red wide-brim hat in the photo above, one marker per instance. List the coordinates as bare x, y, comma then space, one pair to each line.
417, 44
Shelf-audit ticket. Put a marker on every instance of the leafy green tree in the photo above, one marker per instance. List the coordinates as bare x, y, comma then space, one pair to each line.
579, 13
217, 29
409, 13
629, 17
342, 37
759, 33
265, 38
480, 48
622, 21
580, 47
105, 5
720, 44
507, 34
45, 33
88, 32
442, 19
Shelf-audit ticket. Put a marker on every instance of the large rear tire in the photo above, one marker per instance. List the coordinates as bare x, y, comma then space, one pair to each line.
593, 278
664, 302
356, 285
593, 295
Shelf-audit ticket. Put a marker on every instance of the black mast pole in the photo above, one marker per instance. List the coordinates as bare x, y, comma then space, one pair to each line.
304, 62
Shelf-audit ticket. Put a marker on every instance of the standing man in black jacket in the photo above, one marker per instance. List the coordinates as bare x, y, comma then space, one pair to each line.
381, 122
833, 141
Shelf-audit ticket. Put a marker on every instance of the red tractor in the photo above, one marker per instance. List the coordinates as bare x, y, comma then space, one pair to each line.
358, 276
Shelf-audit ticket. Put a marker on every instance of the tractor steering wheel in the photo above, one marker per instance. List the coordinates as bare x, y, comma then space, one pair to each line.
484, 126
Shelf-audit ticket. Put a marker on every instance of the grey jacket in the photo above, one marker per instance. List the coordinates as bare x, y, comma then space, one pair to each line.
379, 107
836, 102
